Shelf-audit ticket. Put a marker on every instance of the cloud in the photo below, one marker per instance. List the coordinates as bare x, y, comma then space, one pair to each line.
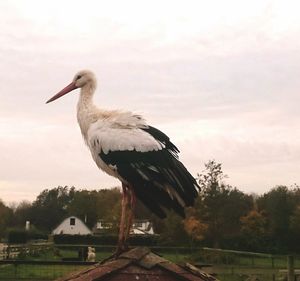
223, 83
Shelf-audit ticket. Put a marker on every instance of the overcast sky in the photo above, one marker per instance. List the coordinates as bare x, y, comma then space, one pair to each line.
221, 78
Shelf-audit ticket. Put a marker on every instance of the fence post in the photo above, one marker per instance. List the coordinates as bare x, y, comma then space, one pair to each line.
290, 268
7, 252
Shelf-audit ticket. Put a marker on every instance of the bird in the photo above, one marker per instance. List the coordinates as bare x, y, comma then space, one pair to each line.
91, 256
141, 156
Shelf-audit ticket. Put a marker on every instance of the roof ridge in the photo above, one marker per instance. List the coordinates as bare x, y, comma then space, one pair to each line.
147, 261
136, 253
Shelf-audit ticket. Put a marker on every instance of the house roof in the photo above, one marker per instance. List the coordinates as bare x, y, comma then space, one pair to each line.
139, 264
67, 218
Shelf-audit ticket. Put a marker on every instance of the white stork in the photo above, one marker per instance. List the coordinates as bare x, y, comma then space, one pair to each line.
142, 157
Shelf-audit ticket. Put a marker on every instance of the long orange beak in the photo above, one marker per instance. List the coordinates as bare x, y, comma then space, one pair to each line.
64, 91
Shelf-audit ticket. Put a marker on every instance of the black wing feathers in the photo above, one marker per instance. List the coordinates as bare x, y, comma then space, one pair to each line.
158, 178
162, 138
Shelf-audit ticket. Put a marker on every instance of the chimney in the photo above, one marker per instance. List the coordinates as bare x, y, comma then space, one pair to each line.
27, 226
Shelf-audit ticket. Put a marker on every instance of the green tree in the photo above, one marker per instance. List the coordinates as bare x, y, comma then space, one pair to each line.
295, 221
50, 207
278, 205
254, 229
219, 205
95, 205
5, 218
109, 204
22, 213
173, 232
84, 206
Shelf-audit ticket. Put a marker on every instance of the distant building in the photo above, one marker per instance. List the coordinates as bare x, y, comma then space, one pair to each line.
72, 225
142, 227
27, 225
139, 227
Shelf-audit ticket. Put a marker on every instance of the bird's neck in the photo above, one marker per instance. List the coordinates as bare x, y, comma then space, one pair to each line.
86, 109
86, 98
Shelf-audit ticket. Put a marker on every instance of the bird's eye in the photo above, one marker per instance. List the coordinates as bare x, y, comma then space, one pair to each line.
78, 77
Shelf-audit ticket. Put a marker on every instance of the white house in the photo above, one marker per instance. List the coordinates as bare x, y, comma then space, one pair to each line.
142, 227
72, 225
139, 227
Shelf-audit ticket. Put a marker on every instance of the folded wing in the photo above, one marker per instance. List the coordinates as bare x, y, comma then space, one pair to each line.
145, 158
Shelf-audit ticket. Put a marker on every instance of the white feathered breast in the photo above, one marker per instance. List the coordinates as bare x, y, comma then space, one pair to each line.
119, 133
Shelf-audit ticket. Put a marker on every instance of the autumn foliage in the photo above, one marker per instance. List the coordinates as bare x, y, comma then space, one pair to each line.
195, 228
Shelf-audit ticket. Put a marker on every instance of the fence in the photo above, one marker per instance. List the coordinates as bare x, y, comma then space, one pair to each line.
13, 251
265, 267
228, 265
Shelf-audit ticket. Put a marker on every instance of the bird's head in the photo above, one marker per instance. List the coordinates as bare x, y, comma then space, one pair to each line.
83, 78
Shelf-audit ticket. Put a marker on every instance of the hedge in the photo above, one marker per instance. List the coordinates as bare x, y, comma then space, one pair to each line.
17, 236
135, 240
21, 236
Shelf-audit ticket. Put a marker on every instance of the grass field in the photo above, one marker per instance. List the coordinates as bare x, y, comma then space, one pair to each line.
36, 272
229, 266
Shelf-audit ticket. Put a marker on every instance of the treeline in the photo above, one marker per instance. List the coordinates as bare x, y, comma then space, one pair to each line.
222, 217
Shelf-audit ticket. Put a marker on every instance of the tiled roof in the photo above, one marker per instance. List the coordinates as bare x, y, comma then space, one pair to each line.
139, 264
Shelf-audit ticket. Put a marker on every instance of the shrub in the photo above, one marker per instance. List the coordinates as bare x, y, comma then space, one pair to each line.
137, 240
21, 236
17, 236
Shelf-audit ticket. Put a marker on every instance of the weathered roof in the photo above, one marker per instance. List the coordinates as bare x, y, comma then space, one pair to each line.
139, 264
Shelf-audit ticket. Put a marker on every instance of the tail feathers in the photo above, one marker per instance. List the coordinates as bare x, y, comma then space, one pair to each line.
159, 179
173, 174
152, 205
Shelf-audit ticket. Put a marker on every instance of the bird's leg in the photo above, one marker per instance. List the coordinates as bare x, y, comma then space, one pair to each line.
121, 241
130, 218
